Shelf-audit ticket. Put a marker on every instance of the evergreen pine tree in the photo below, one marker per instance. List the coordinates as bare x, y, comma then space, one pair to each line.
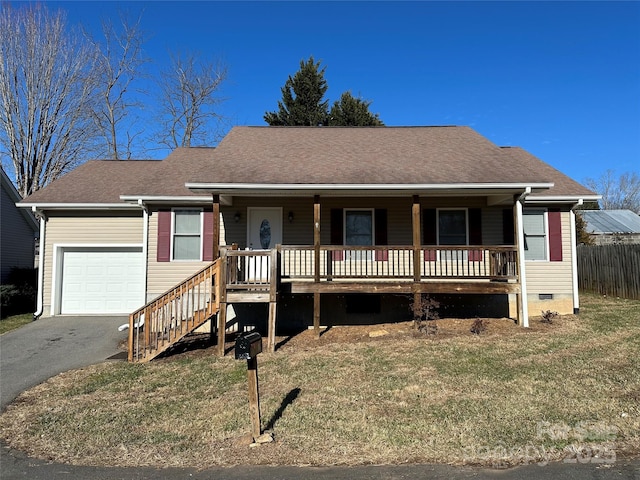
351, 112
302, 101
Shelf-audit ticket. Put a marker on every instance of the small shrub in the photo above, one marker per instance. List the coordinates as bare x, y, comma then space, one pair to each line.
425, 314
479, 326
548, 316
18, 295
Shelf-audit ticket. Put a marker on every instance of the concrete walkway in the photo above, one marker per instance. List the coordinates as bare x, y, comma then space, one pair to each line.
44, 348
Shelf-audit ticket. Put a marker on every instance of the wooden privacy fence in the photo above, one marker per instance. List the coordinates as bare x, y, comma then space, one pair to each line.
610, 270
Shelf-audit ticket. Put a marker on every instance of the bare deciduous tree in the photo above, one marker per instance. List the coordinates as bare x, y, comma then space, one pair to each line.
189, 96
46, 94
120, 58
622, 192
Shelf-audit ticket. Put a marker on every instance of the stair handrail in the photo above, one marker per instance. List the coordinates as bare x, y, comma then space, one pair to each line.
212, 306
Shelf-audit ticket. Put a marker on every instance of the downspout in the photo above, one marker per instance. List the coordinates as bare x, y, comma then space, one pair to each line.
574, 258
521, 264
145, 244
42, 242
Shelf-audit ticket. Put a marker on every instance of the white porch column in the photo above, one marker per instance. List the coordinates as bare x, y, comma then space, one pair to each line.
524, 304
574, 259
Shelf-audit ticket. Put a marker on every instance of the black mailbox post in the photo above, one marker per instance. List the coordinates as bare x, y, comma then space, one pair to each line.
248, 346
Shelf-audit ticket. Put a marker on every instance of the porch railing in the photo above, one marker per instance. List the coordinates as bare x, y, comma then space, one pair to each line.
249, 269
397, 262
166, 319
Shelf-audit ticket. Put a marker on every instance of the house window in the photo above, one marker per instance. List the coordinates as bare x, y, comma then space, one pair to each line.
358, 227
535, 234
187, 229
452, 227
359, 231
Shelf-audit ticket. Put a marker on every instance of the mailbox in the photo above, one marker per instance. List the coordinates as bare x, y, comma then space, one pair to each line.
248, 345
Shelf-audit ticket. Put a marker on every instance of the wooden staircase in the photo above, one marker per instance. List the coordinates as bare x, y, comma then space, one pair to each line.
167, 319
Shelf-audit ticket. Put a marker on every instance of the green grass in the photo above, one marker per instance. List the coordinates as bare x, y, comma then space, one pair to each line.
493, 399
15, 321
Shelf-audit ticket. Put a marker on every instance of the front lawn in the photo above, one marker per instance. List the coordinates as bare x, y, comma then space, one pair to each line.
570, 389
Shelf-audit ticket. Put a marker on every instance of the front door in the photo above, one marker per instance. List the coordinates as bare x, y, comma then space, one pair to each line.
264, 227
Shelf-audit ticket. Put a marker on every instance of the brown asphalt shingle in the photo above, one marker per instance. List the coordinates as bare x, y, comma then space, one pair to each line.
313, 155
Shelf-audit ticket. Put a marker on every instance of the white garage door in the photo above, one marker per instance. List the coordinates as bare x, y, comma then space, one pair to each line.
102, 281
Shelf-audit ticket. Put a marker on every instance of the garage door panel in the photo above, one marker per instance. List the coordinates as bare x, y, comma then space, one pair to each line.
98, 281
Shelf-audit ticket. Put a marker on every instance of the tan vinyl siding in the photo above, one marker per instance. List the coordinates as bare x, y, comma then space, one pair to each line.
162, 276
91, 228
553, 277
492, 226
399, 228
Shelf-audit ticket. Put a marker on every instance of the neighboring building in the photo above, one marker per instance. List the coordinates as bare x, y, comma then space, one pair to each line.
330, 225
18, 229
611, 227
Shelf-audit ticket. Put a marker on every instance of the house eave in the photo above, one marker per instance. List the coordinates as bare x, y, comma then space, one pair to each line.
388, 190
78, 206
172, 200
568, 199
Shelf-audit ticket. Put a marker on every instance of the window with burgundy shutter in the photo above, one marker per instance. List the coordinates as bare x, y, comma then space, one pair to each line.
534, 223
181, 236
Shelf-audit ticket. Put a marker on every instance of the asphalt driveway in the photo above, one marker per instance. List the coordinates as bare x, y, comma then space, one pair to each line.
49, 346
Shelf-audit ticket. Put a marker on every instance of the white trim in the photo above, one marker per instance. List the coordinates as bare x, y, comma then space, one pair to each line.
364, 186
562, 198
40, 299
164, 199
173, 223
79, 206
56, 267
522, 270
574, 261
145, 248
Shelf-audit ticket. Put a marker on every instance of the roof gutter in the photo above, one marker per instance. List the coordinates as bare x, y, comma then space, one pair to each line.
571, 199
78, 206
165, 199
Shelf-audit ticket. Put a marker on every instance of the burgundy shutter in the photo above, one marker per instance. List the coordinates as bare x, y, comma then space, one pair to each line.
555, 235
164, 236
381, 234
337, 234
508, 232
207, 237
475, 233
429, 232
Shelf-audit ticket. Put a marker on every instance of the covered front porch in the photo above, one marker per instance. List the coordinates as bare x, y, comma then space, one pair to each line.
257, 276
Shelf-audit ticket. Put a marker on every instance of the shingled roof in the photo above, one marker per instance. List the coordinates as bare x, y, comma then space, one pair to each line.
360, 155
314, 156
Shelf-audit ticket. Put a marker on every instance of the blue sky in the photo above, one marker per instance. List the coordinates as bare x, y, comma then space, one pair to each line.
561, 80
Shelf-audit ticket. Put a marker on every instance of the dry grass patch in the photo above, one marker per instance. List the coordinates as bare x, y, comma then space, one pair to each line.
504, 397
16, 321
